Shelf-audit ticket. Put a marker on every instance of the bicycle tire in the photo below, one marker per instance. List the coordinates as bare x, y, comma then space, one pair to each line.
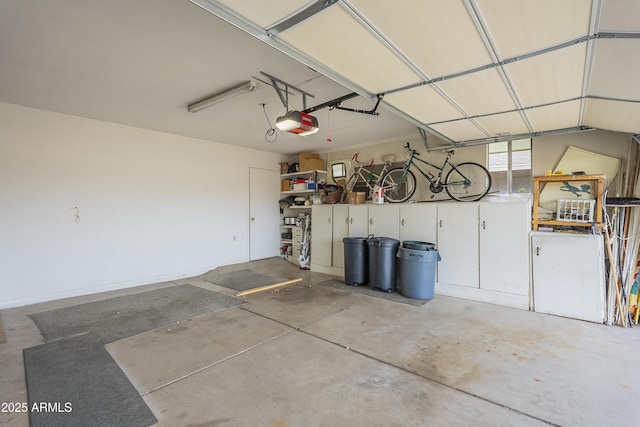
467, 182
398, 186
348, 187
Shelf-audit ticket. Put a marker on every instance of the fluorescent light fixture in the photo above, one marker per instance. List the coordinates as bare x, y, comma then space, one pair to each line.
302, 124
248, 86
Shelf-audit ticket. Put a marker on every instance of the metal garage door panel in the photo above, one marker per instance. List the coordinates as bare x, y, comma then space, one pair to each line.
557, 116
424, 104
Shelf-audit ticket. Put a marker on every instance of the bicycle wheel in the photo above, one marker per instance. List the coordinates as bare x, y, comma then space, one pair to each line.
348, 188
467, 182
398, 185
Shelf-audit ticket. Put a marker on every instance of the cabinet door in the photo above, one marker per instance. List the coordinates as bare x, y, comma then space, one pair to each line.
568, 275
458, 244
384, 220
358, 221
321, 235
340, 231
418, 222
504, 246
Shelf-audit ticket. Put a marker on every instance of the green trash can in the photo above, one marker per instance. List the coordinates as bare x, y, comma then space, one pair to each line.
417, 271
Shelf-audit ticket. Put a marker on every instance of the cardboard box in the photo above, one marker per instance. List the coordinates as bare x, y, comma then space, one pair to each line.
286, 185
312, 164
304, 156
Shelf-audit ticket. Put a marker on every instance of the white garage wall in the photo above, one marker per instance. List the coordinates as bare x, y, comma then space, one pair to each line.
152, 206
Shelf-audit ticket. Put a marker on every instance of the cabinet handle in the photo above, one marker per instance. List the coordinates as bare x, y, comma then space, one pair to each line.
484, 225
537, 250
371, 221
351, 221
329, 220
440, 223
402, 222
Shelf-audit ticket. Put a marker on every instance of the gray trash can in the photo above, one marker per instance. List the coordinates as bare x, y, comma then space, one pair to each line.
417, 271
356, 261
382, 262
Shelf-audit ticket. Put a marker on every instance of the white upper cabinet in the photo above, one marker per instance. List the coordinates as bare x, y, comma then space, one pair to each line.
418, 222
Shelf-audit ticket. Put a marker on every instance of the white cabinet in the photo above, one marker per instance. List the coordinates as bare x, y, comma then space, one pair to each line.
321, 235
458, 244
418, 222
504, 246
384, 220
358, 220
340, 231
568, 275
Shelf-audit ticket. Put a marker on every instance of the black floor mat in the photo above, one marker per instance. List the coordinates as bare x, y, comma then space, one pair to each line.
75, 382
243, 280
116, 318
366, 290
74, 376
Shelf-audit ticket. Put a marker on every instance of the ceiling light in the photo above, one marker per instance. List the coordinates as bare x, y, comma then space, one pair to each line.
302, 124
248, 86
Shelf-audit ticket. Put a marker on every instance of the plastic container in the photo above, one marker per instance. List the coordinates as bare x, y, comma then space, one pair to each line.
418, 245
356, 261
382, 262
417, 272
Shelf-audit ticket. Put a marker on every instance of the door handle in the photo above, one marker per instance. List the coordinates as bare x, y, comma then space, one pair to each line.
537, 250
371, 221
351, 221
329, 220
402, 222
484, 225
440, 223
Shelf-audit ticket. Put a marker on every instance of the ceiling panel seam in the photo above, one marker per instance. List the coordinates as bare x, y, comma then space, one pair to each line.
537, 134
379, 35
515, 110
481, 27
351, 10
215, 8
596, 11
300, 16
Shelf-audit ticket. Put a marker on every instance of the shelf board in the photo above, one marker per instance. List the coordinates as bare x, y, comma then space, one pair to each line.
565, 223
297, 192
299, 207
287, 175
289, 241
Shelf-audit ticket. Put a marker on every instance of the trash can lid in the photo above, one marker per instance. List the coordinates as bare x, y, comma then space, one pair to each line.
382, 241
418, 245
354, 239
417, 255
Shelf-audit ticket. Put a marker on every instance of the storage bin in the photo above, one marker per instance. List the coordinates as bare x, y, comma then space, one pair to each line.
417, 272
356, 262
575, 210
382, 262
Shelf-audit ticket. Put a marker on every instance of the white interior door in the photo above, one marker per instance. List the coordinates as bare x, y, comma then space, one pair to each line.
264, 214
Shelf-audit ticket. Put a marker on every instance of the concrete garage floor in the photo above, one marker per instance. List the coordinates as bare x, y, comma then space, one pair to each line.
312, 355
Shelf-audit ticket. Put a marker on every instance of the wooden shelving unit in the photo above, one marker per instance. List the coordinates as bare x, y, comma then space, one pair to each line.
538, 180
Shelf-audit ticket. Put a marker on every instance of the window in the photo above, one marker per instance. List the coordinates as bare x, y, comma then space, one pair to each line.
510, 166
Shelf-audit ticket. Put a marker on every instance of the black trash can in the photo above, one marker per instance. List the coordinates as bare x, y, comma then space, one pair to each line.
417, 270
382, 262
356, 261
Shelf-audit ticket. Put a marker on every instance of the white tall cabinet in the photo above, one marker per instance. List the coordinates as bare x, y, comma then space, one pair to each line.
504, 249
458, 241
485, 250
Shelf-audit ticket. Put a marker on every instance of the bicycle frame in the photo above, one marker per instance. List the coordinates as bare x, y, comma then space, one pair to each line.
369, 180
437, 181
